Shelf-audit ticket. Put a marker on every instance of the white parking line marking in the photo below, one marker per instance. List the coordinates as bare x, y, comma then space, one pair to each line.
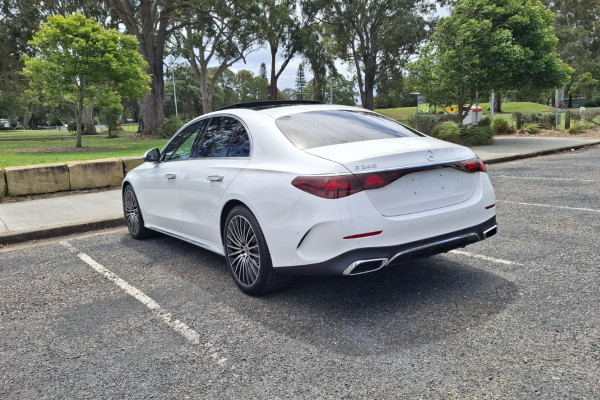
545, 178
549, 206
481, 257
153, 306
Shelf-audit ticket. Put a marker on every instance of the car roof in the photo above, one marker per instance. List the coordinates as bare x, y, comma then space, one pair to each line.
281, 108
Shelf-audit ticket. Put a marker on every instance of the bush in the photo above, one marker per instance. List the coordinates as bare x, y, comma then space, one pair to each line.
530, 128
475, 135
72, 127
544, 121
501, 125
586, 115
169, 127
449, 131
485, 121
579, 127
424, 122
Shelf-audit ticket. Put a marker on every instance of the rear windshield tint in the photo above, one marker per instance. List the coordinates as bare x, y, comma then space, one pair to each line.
324, 128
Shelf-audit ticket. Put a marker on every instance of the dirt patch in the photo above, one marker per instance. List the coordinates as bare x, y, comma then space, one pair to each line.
65, 149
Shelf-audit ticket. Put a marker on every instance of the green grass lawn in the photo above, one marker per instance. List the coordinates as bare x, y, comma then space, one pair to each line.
42, 147
403, 113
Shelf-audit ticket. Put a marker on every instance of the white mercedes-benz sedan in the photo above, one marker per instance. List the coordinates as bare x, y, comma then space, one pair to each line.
284, 188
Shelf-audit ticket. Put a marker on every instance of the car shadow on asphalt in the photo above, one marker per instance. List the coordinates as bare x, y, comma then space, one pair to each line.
404, 305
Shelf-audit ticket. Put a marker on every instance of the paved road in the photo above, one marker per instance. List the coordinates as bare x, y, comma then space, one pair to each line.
105, 316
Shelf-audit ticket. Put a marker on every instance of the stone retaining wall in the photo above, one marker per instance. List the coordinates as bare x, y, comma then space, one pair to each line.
49, 178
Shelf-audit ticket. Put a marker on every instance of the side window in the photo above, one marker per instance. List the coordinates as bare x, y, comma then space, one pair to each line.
223, 137
180, 148
240, 142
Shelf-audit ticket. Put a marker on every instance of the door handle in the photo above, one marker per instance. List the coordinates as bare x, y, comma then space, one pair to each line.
215, 178
170, 176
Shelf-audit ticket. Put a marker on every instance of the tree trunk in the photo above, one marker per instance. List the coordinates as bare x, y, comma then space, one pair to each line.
206, 96
151, 108
369, 99
272, 89
149, 23
79, 115
88, 121
498, 103
316, 88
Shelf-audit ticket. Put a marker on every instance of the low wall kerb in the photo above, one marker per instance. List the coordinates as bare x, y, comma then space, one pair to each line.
39, 179
130, 163
2, 184
95, 174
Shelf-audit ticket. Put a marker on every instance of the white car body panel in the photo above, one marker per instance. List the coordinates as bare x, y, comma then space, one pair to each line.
302, 229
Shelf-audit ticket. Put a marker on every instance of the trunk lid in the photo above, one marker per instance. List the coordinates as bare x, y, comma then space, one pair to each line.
425, 183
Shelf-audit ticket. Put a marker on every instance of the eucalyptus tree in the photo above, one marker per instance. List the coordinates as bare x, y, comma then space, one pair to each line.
249, 87
376, 36
318, 53
225, 33
282, 30
152, 23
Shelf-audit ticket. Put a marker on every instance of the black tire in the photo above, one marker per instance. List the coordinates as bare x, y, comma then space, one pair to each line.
248, 256
133, 215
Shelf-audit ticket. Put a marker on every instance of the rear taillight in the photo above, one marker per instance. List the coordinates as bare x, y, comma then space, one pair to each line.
376, 180
329, 187
338, 186
470, 165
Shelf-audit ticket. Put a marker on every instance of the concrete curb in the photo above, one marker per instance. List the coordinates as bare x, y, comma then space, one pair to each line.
539, 153
59, 230
67, 229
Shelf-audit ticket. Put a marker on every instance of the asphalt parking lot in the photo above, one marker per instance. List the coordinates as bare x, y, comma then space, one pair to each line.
517, 316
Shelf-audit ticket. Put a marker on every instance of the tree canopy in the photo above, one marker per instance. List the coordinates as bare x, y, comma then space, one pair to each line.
489, 45
377, 37
79, 64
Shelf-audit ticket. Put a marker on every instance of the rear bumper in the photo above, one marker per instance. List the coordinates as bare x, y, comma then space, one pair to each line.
365, 260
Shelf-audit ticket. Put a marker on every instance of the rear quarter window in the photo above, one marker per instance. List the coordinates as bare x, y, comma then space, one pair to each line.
329, 127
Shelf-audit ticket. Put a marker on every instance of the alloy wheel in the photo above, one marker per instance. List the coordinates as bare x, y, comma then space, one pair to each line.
132, 212
243, 250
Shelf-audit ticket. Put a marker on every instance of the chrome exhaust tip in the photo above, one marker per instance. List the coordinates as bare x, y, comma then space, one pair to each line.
365, 266
490, 232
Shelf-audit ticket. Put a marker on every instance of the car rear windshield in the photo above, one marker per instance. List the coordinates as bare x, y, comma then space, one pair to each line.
324, 128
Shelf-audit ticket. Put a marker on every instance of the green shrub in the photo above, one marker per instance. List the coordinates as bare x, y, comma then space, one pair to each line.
449, 131
579, 127
544, 121
425, 122
530, 128
475, 135
502, 125
169, 127
485, 121
586, 115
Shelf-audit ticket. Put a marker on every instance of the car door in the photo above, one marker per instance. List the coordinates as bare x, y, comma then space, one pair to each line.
158, 187
218, 157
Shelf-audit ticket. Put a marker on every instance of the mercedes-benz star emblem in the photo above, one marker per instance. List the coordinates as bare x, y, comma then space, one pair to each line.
429, 155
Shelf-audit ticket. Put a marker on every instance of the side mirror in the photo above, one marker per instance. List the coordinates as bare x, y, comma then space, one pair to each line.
152, 155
